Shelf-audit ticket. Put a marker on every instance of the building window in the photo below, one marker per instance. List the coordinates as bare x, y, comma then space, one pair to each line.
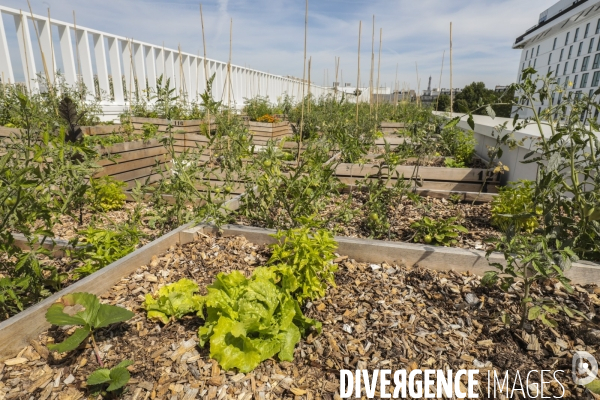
558, 82
578, 97
584, 79
587, 30
554, 44
576, 35
549, 71
596, 78
561, 54
549, 58
535, 62
567, 38
570, 52
584, 63
596, 61
522, 68
591, 46
575, 81
538, 51
557, 68
526, 54
575, 66
598, 27
566, 66
591, 93
580, 48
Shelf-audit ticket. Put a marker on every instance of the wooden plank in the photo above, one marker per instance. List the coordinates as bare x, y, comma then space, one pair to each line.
174, 122
433, 185
134, 155
119, 168
129, 146
426, 173
100, 130
17, 331
136, 174
427, 256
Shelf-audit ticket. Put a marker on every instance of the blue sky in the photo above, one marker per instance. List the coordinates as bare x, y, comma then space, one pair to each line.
269, 34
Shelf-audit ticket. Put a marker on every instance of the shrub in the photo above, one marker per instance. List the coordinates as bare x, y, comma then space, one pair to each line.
106, 194
257, 107
459, 144
442, 232
514, 205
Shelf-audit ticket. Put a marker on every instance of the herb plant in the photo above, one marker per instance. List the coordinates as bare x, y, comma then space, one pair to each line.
106, 194
514, 206
116, 377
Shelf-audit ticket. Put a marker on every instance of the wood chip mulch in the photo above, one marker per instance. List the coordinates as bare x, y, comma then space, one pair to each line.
378, 316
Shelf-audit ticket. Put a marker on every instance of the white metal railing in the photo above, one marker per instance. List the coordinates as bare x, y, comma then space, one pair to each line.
131, 60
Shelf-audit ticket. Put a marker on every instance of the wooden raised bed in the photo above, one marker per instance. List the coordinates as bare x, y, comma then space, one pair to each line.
435, 181
177, 126
391, 127
17, 331
262, 132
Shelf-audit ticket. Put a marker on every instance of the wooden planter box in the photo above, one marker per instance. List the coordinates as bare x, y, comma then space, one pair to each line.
17, 331
391, 127
264, 131
435, 181
177, 126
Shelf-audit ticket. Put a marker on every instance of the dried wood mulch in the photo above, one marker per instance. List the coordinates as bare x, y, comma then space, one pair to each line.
378, 316
476, 218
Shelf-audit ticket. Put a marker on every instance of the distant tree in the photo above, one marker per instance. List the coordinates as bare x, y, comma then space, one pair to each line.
443, 103
476, 94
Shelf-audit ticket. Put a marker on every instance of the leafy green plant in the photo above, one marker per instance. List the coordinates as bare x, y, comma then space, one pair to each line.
173, 301
257, 107
514, 206
451, 162
97, 248
310, 257
459, 144
249, 320
116, 377
529, 259
441, 232
86, 311
106, 194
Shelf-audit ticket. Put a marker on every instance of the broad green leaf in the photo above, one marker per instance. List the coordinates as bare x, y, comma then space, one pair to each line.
174, 301
99, 376
72, 342
84, 306
124, 364
289, 339
108, 314
594, 386
56, 316
534, 313
119, 377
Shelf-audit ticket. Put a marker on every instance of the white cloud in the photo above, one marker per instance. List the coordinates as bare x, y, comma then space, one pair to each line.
269, 34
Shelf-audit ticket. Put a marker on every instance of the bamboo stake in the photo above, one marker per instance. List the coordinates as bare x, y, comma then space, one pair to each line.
358, 74
451, 91
440, 84
51, 45
397, 85
372, 67
418, 83
303, 77
229, 67
378, 73
337, 65
23, 22
77, 47
205, 73
130, 74
181, 80
37, 34
309, 64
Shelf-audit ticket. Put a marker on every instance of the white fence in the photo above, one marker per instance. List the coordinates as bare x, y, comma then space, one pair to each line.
130, 61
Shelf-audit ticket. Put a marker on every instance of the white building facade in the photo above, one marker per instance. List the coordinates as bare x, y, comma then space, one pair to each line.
565, 43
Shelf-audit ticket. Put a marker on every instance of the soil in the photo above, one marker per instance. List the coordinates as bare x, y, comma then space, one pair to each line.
476, 218
378, 316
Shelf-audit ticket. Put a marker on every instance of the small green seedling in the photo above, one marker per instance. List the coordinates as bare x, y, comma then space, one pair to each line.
83, 309
116, 377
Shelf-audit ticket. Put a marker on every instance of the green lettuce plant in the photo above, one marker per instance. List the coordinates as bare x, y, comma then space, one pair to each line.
249, 320
514, 205
84, 310
106, 194
173, 301
310, 257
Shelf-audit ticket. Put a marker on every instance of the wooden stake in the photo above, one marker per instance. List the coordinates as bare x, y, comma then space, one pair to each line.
76, 47
205, 71
37, 34
358, 74
418, 83
337, 65
451, 91
440, 84
309, 64
303, 77
23, 22
378, 73
181, 80
372, 67
51, 45
397, 84
130, 73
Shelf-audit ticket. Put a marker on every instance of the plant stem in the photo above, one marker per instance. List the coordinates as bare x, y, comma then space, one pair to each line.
96, 350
